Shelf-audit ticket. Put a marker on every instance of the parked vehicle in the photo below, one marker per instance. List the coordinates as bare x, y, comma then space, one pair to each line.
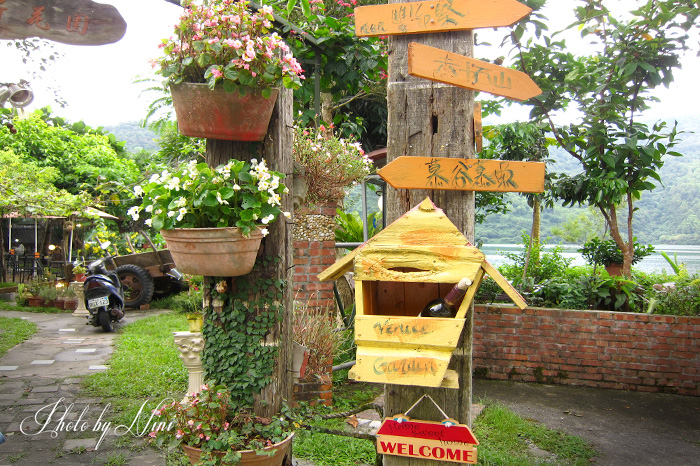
147, 274
103, 294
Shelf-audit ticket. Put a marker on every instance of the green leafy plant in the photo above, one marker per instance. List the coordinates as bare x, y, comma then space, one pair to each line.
350, 229
606, 252
240, 194
212, 422
223, 41
330, 164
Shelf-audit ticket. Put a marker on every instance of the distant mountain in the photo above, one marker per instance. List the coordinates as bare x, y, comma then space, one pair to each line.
135, 136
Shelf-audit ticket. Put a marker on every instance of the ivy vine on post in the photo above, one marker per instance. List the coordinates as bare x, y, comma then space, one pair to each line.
242, 330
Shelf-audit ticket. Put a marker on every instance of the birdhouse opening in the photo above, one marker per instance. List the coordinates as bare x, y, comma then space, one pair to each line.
401, 299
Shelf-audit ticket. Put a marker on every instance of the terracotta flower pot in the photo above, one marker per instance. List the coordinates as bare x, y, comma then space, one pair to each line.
217, 114
213, 252
614, 269
249, 457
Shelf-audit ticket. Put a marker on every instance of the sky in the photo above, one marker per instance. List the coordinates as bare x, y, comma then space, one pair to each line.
97, 82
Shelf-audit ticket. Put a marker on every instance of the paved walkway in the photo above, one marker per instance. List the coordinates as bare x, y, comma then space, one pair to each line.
44, 375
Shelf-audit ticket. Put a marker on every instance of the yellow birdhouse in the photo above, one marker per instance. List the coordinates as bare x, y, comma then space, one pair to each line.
416, 259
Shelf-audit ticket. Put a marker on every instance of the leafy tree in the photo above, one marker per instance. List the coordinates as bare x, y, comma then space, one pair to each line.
85, 159
611, 88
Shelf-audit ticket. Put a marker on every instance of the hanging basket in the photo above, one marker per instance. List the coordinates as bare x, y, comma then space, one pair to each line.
249, 457
213, 252
216, 114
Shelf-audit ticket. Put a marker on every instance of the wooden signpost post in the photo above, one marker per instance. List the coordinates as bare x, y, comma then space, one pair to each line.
436, 120
464, 174
437, 16
75, 22
452, 68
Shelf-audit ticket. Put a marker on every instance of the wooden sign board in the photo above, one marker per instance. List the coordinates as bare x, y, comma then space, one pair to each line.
75, 22
452, 68
436, 16
464, 174
478, 129
440, 441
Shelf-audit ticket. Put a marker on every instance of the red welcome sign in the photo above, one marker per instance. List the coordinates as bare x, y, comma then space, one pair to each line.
441, 441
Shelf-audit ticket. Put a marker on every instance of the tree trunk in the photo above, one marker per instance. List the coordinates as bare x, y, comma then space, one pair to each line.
431, 120
276, 149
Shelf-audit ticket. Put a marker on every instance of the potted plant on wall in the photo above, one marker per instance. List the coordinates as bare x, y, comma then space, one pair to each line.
213, 219
223, 62
606, 253
213, 430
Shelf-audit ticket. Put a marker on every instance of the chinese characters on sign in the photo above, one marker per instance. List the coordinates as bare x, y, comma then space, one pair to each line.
464, 174
452, 68
78, 22
436, 16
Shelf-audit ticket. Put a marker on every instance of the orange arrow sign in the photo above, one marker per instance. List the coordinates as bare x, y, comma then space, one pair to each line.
436, 16
464, 174
452, 68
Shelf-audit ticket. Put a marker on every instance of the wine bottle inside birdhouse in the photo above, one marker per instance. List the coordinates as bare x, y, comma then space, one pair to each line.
447, 306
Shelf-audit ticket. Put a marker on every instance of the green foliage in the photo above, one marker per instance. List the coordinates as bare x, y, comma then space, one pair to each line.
606, 252
350, 229
14, 331
549, 264
190, 301
238, 318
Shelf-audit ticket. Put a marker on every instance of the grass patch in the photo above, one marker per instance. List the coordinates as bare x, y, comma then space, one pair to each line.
14, 331
504, 440
146, 366
10, 306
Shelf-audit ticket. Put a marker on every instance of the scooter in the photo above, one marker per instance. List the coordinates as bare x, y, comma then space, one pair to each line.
104, 296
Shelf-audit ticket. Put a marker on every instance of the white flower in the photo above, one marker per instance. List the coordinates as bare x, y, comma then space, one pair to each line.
287, 214
264, 232
236, 187
148, 221
181, 201
274, 199
171, 214
268, 219
133, 212
138, 190
173, 184
182, 212
221, 201
149, 208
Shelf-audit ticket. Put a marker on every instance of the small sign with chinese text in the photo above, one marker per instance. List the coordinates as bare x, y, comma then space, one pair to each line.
74, 22
464, 174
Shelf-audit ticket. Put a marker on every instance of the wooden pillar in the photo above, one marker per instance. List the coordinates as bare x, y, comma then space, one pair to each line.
431, 119
276, 149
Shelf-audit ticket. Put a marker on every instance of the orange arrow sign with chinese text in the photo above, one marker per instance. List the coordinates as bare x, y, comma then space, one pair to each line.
452, 68
464, 174
75, 22
436, 16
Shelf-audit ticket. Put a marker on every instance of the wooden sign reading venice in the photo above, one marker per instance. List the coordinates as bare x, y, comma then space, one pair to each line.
441, 441
436, 16
74, 22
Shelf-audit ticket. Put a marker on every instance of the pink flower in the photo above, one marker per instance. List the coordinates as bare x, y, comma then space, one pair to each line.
179, 434
216, 72
190, 423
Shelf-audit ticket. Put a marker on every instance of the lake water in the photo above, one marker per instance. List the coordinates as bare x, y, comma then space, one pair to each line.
689, 255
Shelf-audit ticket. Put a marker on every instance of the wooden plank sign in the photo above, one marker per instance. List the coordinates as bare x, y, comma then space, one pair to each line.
442, 441
478, 129
452, 68
436, 16
75, 22
464, 174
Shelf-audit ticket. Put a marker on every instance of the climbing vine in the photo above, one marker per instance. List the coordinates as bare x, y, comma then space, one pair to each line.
241, 330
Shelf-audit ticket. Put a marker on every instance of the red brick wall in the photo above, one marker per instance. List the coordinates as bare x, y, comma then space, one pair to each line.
314, 251
627, 351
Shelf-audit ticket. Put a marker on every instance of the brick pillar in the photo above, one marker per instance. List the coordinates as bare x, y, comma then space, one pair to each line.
314, 251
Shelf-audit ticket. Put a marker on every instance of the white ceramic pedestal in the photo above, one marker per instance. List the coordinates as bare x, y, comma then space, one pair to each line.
191, 345
81, 310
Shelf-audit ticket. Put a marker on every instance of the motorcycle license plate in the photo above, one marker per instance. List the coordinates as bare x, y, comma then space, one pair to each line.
98, 302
